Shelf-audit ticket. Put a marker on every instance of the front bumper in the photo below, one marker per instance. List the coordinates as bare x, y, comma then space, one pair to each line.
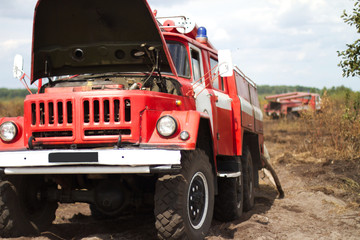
102, 161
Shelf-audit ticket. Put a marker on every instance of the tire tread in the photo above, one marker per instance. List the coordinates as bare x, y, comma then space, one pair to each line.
168, 208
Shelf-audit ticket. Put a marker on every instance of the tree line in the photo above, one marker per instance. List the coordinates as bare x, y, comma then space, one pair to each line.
8, 94
267, 89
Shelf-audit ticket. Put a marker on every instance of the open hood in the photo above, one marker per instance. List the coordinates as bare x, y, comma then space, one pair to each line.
95, 36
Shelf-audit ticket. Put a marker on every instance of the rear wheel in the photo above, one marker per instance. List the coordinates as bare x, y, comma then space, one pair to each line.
249, 181
97, 214
23, 206
184, 202
229, 201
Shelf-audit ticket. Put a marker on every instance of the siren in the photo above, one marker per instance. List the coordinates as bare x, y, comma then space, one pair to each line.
201, 36
179, 24
169, 26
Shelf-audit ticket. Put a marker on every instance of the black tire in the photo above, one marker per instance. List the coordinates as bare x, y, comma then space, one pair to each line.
184, 202
291, 116
97, 214
24, 210
230, 199
248, 178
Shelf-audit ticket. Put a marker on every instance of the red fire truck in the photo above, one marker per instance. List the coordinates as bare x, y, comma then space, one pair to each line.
290, 105
131, 111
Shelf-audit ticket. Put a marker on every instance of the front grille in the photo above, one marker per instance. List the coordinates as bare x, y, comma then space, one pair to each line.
79, 119
106, 110
51, 112
52, 134
108, 132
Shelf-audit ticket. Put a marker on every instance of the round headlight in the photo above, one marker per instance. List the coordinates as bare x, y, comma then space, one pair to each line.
8, 131
166, 126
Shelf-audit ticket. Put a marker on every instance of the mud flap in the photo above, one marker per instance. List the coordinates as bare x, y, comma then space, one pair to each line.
266, 157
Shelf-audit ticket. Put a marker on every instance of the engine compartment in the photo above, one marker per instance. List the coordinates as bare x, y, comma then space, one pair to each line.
93, 82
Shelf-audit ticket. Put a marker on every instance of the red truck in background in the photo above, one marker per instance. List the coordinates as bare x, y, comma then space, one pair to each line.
131, 111
290, 105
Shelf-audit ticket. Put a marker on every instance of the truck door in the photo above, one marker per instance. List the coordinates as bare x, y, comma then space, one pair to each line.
202, 95
225, 131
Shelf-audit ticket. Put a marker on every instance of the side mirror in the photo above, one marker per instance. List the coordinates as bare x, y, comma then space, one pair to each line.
18, 68
226, 67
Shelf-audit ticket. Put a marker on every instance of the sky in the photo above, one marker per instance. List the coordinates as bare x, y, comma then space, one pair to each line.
274, 42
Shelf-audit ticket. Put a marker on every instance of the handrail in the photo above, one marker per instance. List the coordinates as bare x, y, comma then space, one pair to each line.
171, 17
244, 76
161, 26
179, 22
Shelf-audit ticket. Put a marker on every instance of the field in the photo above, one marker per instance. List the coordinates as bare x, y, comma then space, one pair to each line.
317, 158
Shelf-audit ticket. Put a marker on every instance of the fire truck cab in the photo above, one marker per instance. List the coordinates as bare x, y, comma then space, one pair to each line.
291, 104
132, 110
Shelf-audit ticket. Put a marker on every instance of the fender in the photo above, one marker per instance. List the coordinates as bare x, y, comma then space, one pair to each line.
187, 121
18, 143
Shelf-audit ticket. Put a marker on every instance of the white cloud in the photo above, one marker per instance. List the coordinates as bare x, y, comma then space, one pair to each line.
17, 9
14, 44
290, 42
221, 35
301, 56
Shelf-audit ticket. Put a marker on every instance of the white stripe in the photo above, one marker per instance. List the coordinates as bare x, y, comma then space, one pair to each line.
203, 103
224, 101
299, 108
76, 170
119, 157
229, 175
258, 114
246, 106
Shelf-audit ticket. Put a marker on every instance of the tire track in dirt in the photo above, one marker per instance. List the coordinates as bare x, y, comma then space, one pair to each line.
308, 211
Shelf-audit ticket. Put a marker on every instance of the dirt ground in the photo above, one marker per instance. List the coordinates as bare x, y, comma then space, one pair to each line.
317, 204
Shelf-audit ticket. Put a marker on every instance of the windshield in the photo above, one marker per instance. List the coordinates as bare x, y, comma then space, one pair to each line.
180, 58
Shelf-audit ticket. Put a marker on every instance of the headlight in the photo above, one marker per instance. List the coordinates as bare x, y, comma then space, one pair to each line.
166, 126
8, 131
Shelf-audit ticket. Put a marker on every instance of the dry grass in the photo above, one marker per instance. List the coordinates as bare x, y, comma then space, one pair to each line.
12, 108
326, 144
335, 131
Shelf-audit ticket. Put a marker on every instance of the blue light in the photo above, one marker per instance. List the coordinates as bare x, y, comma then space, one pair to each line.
201, 33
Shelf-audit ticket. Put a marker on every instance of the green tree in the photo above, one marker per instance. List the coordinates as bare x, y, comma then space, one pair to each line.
350, 62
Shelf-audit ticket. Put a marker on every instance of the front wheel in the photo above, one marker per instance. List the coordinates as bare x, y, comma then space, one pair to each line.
24, 209
184, 203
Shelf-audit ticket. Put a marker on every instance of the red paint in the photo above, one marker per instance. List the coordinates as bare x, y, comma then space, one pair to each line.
88, 117
281, 105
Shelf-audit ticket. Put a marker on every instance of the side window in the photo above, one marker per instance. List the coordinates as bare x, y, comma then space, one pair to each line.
180, 58
242, 87
254, 97
216, 81
195, 60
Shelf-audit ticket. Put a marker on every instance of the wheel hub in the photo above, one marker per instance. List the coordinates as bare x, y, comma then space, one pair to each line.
197, 200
